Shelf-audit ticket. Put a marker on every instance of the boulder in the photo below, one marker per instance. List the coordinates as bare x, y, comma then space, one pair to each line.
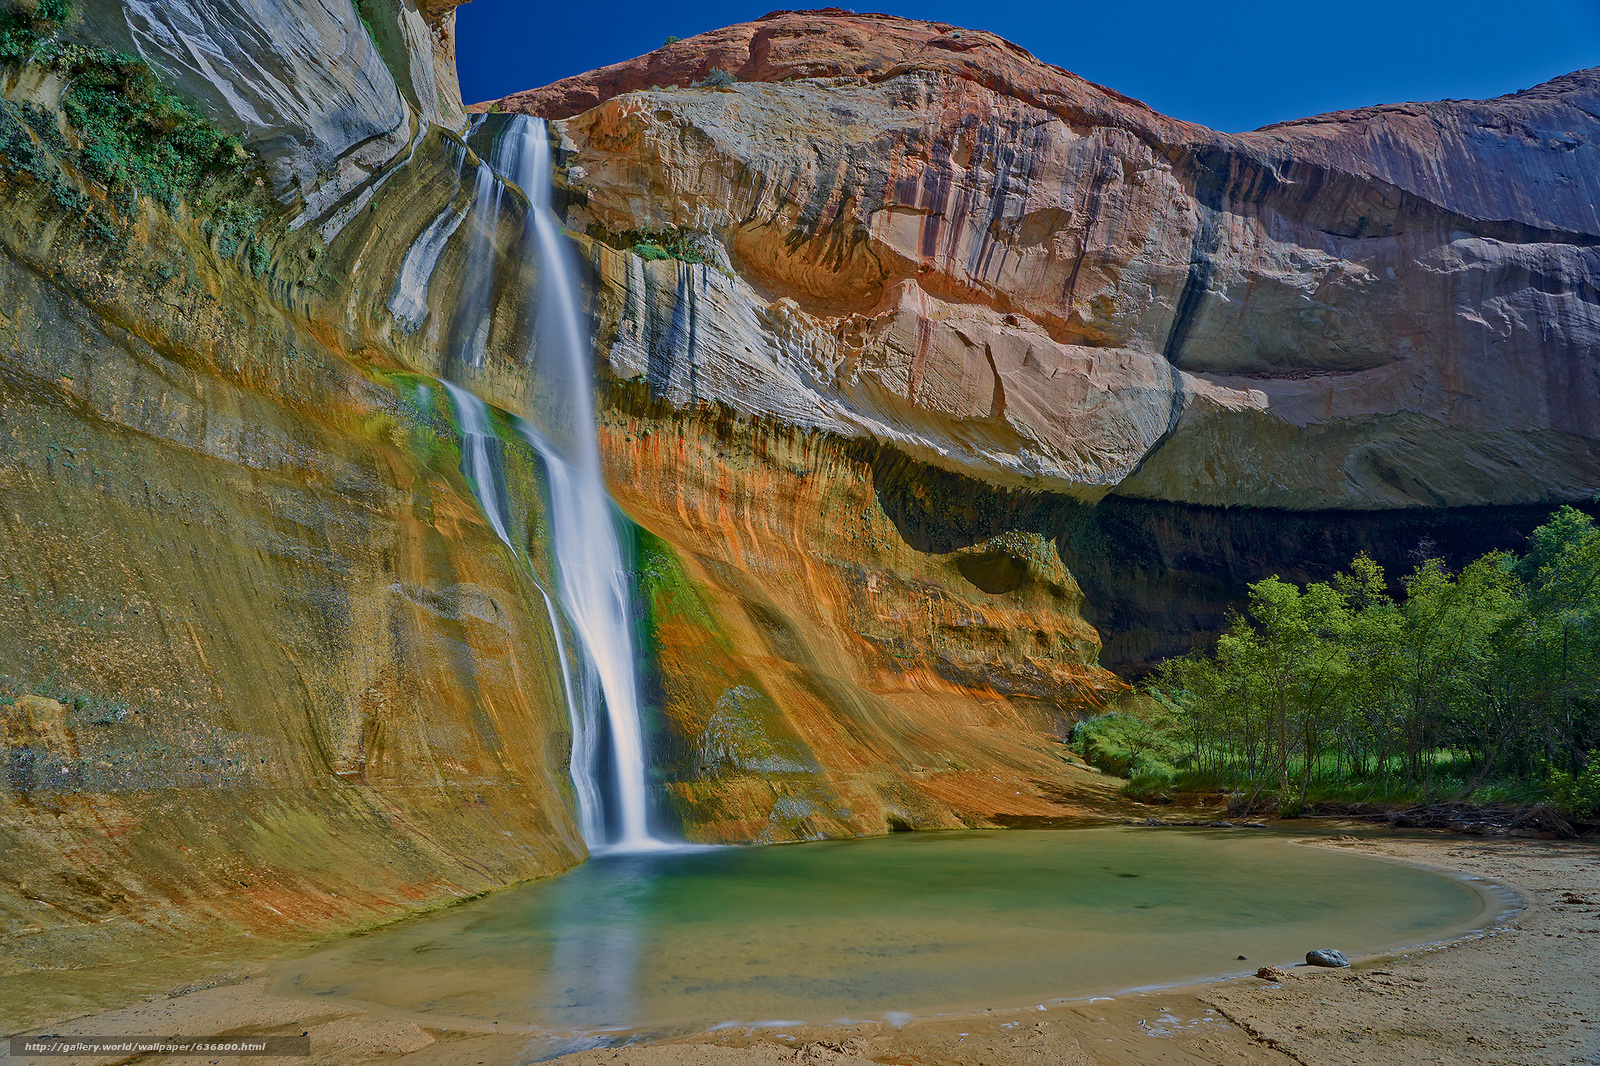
1326, 957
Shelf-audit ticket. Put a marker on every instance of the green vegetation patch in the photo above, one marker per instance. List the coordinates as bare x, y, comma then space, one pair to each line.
134, 133
25, 133
718, 79
1138, 739
668, 592
1474, 685
423, 423
1579, 796
687, 246
86, 708
120, 129
25, 34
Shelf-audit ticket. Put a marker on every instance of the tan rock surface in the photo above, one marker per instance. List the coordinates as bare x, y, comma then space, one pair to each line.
827, 677
292, 682
942, 242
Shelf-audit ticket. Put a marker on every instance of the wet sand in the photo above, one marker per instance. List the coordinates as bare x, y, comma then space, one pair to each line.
1527, 992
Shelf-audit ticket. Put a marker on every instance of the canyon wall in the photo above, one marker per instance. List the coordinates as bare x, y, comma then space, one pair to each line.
932, 378
266, 670
922, 236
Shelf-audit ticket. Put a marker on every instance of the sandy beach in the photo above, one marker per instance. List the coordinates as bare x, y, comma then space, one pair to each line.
1525, 992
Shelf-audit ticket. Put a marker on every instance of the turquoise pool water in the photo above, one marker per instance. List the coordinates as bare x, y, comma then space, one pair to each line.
912, 924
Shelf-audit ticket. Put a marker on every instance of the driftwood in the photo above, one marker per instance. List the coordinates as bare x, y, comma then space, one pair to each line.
1246, 811
1459, 817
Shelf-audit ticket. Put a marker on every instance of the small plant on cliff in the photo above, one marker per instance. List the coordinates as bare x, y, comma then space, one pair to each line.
717, 79
429, 432
672, 243
132, 132
22, 147
232, 226
670, 41
26, 35
366, 23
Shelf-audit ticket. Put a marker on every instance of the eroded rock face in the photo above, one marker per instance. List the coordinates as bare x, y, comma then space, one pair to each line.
267, 671
932, 239
327, 97
818, 673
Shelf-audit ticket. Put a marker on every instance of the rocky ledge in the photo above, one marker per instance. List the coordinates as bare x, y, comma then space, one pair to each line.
924, 235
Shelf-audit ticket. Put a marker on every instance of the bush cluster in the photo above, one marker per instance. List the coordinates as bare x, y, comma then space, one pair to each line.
134, 134
24, 34
128, 134
1468, 683
684, 245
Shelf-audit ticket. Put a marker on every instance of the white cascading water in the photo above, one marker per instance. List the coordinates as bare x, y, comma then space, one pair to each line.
593, 584
474, 313
484, 467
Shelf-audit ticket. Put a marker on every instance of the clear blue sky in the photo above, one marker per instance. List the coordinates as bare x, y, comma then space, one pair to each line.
1231, 64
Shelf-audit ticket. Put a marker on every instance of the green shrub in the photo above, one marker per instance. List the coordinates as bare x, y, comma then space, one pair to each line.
1095, 739
233, 224
22, 155
1138, 739
26, 35
683, 245
1577, 797
133, 132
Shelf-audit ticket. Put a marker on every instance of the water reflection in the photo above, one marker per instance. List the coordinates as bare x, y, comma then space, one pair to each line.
600, 924
913, 924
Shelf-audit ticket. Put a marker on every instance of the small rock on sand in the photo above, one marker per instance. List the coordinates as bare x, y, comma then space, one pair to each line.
1272, 973
827, 1053
1326, 957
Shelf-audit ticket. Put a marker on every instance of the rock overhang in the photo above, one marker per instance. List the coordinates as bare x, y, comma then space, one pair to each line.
1019, 274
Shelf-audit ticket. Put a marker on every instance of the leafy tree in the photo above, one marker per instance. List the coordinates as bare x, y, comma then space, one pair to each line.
1490, 673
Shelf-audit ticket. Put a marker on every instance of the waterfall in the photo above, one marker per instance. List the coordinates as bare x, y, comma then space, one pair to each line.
483, 463
475, 312
609, 767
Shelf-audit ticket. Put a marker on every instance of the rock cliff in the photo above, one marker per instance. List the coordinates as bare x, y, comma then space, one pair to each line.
1017, 274
268, 670
920, 359
924, 237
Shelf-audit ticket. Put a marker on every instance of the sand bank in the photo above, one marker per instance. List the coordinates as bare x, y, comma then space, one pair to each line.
1527, 992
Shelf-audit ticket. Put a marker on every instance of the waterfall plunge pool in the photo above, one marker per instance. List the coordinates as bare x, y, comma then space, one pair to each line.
885, 928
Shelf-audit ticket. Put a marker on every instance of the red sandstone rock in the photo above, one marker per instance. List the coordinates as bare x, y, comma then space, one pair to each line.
831, 42
1009, 270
